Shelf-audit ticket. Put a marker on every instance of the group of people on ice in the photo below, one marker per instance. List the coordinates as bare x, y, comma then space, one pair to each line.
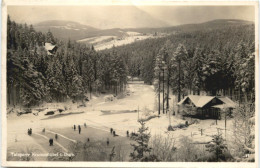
79, 128
112, 131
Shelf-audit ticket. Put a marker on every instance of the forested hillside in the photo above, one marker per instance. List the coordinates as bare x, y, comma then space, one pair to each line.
33, 76
213, 60
220, 59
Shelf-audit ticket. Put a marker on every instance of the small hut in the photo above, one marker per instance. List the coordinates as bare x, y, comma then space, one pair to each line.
50, 48
206, 106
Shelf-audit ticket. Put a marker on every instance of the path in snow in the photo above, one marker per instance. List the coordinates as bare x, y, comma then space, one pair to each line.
141, 97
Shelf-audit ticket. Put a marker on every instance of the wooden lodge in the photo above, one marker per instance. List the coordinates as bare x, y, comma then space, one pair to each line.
206, 106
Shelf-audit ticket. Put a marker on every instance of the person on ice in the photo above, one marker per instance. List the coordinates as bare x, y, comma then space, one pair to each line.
30, 131
107, 141
74, 127
111, 130
51, 142
56, 136
79, 129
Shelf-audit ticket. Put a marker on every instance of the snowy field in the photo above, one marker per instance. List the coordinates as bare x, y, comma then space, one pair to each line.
120, 42
106, 42
94, 40
124, 117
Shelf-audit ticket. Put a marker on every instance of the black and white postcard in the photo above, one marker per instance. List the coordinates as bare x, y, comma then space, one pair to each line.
129, 83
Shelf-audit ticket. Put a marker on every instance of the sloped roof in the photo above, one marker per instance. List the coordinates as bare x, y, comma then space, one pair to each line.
201, 101
228, 103
198, 101
49, 46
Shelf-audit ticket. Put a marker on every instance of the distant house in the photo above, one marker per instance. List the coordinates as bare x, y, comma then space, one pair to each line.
206, 106
50, 48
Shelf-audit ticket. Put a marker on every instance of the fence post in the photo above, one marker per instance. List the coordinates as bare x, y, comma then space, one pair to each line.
225, 124
217, 119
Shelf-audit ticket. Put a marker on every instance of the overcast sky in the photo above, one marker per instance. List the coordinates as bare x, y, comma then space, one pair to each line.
129, 16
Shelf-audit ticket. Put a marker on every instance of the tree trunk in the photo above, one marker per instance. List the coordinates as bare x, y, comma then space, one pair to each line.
159, 109
163, 91
90, 89
179, 82
168, 90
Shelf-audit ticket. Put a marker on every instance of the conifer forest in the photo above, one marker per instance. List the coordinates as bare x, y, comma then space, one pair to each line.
130, 90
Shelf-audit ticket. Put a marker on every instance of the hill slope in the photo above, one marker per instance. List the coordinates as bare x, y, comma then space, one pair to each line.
65, 29
83, 33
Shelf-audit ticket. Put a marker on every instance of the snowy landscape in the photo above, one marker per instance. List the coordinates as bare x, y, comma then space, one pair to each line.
145, 91
106, 42
98, 124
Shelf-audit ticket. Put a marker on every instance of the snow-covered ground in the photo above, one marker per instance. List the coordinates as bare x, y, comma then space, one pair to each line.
93, 40
142, 98
106, 42
130, 33
121, 41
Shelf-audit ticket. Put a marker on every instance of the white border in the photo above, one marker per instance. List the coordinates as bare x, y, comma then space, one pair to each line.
6, 3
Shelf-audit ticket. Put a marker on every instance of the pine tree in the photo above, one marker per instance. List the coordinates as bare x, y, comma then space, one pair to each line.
217, 147
212, 72
160, 67
50, 37
198, 62
88, 73
245, 70
178, 65
141, 149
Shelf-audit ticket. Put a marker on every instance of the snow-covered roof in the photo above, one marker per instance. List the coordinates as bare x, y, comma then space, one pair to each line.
228, 103
49, 46
198, 101
201, 101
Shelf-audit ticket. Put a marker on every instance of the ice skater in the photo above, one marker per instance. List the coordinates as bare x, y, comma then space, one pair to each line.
51, 142
79, 129
107, 141
30, 131
56, 136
